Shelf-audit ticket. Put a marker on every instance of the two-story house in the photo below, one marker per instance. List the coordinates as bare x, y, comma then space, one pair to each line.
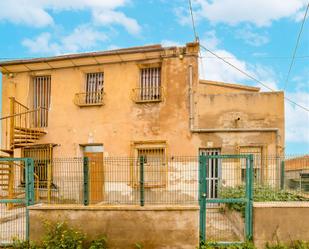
136, 101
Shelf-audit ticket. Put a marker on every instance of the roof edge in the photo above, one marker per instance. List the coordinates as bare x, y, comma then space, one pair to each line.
230, 85
147, 48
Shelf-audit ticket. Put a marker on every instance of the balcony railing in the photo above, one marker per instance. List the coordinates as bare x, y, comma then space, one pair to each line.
89, 99
148, 94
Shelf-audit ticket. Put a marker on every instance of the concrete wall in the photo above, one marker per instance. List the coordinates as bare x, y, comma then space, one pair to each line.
153, 227
280, 221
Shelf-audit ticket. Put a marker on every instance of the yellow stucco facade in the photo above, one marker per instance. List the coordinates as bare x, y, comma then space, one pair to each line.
193, 114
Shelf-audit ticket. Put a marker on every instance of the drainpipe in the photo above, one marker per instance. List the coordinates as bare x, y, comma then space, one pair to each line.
191, 105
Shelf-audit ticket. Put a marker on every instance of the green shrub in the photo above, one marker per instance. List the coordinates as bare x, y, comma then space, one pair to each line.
22, 244
100, 243
260, 194
293, 245
247, 245
59, 235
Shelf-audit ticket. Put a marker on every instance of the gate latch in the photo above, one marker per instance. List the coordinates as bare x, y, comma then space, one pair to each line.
204, 195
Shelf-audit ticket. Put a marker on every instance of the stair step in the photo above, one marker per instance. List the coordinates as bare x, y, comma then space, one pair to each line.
5, 169
28, 136
4, 174
30, 130
20, 145
20, 141
8, 151
4, 184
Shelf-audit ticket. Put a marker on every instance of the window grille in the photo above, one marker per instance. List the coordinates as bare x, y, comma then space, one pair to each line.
150, 84
41, 99
94, 88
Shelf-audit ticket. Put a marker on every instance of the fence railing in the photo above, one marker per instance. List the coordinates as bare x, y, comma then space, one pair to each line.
148, 94
147, 180
89, 98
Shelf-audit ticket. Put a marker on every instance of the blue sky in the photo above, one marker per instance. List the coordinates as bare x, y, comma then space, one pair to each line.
257, 36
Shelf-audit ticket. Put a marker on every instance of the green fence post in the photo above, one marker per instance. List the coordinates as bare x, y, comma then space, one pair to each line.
282, 175
29, 181
141, 181
202, 196
29, 191
251, 184
86, 180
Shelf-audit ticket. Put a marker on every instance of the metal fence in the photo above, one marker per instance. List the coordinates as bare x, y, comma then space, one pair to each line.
169, 180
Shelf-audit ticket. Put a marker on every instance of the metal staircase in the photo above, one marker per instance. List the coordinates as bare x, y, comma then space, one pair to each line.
22, 127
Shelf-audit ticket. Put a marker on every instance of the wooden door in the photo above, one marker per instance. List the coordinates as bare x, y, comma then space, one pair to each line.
96, 176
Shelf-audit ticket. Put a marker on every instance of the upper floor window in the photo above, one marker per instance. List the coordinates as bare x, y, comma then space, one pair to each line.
93, 94
41, 89
150, 89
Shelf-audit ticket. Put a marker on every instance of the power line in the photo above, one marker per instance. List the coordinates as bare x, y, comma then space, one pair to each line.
192, 19
251, 77
296, 46
238, 69
261, 57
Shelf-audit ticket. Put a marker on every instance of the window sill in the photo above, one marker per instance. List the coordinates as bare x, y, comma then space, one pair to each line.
147, 101
90, 105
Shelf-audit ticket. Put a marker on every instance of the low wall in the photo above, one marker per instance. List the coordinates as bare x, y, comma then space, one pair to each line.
163, 227
283, 221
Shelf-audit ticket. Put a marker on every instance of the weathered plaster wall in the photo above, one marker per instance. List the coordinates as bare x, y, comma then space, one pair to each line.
280, 221
121, 121
243, 110
152, 227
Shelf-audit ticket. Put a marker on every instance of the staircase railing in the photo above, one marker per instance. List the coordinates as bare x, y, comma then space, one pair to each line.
23, 126
14, 178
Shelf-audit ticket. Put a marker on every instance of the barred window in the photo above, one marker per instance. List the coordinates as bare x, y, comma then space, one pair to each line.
94, 87
41, 99
256, 151
155, 163
42, 157
150, 84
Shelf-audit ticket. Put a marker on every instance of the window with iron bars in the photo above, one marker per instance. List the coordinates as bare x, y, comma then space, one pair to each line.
256, 151
42, 157
41, 92
94, 88
155, 166
150, 89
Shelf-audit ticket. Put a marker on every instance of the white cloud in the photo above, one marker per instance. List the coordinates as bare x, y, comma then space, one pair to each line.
170, 43
107, 17
297, 119
215, 69
24, 12
37, 13
252, 38
83, 37
232, 12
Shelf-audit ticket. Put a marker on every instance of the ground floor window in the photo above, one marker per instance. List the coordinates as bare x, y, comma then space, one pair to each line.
42, 156
154, 161
256, 151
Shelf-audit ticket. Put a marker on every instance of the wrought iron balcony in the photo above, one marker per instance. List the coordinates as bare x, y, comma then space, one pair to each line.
148, 94
89, 99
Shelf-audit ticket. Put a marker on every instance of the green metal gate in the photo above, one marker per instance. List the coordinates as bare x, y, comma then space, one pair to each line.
226, 216
15, 198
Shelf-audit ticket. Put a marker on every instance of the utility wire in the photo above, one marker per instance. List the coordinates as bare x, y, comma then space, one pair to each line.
238, 69
296, 46
192, 19
251, 77
262, 57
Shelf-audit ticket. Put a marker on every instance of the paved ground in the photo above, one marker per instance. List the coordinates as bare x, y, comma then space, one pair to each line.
220, 228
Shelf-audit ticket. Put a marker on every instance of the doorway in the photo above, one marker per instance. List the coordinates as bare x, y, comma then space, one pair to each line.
213, 174
96, 172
